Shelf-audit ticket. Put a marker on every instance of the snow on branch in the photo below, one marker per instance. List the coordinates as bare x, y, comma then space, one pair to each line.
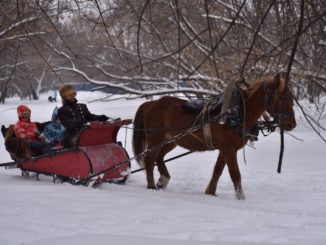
20, 36
17, 24
119, 82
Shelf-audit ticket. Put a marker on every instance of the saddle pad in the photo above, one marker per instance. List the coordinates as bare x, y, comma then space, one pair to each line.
195, 106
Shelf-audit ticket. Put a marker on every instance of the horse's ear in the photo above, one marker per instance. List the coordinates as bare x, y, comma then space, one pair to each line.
279, 80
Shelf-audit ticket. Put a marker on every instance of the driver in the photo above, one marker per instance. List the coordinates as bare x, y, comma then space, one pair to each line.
73, 115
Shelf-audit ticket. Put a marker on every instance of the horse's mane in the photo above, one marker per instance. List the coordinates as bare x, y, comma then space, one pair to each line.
254, 86
278, 80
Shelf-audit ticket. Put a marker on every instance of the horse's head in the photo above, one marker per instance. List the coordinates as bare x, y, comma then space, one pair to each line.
279, 102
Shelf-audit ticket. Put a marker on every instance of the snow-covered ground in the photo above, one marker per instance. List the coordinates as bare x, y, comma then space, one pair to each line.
287, 208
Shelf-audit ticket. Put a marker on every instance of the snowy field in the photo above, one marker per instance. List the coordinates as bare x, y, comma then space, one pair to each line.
287, 208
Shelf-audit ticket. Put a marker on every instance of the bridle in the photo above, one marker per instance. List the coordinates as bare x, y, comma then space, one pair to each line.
269, 100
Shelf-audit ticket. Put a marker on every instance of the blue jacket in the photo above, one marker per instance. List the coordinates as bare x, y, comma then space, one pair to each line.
54, 133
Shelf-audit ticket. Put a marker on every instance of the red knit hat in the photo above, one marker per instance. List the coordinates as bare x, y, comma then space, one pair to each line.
21, 110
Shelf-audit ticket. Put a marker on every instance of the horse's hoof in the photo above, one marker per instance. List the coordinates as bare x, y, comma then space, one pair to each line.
240, 196
162, 182
152, 188
210, 192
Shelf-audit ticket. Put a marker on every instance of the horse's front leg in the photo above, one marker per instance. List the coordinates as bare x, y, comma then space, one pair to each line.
218, 169
232, 162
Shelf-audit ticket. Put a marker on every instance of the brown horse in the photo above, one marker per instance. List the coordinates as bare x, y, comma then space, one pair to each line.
168, 113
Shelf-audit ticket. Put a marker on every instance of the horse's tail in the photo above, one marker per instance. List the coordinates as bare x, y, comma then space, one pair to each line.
139, 135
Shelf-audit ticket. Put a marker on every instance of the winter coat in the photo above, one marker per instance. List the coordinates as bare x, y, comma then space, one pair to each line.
54, 131
25, 128
72, 116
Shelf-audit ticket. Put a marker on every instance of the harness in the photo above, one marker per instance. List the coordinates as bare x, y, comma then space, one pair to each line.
269, 99
235, 116
204, 119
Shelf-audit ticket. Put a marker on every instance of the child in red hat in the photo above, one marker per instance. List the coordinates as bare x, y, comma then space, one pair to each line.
25, 128
28, 131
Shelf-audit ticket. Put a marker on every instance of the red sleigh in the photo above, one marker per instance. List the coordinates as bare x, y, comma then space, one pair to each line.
97, 154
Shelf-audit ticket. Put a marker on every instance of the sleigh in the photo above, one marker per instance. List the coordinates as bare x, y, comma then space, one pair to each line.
97, 157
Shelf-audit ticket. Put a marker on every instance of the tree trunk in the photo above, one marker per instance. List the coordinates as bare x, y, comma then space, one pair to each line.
4, 91
33, 93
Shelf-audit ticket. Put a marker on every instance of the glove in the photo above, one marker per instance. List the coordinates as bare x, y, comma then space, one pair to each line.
103, 118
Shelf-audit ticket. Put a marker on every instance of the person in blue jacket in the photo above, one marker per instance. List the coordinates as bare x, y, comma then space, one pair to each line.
54, 131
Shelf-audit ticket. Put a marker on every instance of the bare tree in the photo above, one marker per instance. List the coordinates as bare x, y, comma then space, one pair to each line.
153, 47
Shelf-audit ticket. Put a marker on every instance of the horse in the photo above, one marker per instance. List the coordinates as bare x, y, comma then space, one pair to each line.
157, 122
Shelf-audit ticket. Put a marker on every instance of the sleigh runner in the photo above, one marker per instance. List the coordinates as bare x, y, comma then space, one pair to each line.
96, 150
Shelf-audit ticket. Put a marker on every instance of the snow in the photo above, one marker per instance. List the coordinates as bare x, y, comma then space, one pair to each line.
287, 208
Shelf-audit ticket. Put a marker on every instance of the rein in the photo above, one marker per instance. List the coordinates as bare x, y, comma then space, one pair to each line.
265, 127
203, 119
269, 103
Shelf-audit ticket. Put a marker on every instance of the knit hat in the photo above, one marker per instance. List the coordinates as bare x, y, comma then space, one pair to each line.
21, 110
66, 89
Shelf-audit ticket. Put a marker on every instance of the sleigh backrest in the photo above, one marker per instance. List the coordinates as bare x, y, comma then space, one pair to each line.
8, 133
100, 133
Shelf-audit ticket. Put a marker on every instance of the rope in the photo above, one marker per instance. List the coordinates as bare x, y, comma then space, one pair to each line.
173, 139
168, 160
158, 130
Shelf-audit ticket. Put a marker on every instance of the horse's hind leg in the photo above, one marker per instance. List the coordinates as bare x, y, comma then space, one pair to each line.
232, 162
218, 169
164, 179
149, 165
153, 142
